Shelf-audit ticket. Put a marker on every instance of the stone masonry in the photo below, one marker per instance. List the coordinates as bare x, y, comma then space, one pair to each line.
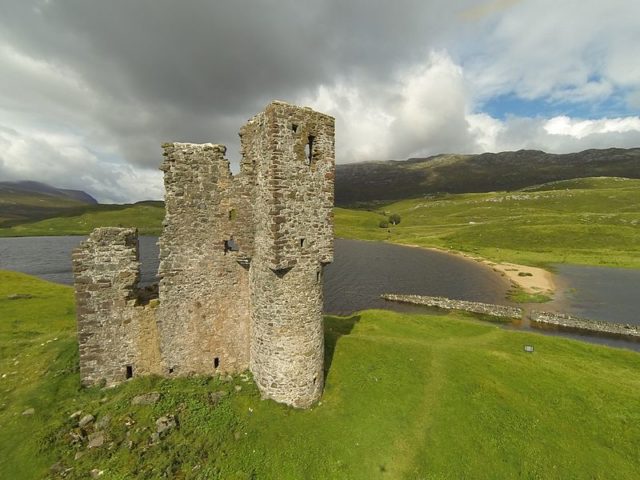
241, 263
463, 305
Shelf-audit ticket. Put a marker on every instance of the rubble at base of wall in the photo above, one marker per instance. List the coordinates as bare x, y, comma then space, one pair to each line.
449, 304
564, 320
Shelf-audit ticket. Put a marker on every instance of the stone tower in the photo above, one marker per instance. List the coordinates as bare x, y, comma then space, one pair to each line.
241, 261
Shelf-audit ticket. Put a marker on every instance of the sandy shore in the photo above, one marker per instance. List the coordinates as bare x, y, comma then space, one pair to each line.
530, 279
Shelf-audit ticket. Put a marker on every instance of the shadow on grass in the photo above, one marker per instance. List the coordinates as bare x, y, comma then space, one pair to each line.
334, 328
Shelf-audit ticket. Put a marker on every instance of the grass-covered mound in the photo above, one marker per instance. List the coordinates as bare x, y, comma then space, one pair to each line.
407, 396
592, 221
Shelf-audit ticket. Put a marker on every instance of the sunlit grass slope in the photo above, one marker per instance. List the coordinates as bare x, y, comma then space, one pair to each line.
407, 397
592, 221
22, 206
146, 216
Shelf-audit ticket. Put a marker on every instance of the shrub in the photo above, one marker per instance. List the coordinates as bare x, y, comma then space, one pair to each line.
383, 224
394, 219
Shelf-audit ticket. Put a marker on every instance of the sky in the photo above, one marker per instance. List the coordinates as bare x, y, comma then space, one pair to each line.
90, 89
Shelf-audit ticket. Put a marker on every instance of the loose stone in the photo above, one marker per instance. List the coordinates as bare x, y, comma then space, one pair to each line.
146, 399
96, 439
165, 424
86, 420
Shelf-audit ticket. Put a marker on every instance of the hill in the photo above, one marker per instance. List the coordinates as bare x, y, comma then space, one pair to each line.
146, 216
594, 221
407, 396
28, 201
393, 180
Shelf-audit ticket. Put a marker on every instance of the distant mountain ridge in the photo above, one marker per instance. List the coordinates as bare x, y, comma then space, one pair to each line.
394, 180
31, 187
29, 201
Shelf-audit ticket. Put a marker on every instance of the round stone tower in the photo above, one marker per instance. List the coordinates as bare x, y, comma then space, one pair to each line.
293, 151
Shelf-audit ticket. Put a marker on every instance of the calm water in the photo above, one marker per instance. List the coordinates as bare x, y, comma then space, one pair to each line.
361, 272
611, 294
364, 270
50, 257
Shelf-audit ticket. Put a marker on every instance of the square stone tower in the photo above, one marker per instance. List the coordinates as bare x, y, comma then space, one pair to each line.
241, 261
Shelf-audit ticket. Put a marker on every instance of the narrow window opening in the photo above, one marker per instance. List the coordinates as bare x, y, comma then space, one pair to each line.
170, 369
309, 149
216, 362
233, 214
294, 127
129, 372
314, 380
230, 245
302, 242
318, 276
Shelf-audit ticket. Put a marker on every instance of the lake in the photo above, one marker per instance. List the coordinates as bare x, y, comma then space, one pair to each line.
611, 294
362, 271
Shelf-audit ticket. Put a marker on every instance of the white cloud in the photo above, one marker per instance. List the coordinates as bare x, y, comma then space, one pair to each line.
485, 130
63, 161
430, 116
574, 50
429, 110
89, 91
582, 128
423, 112
362, 125
561, 134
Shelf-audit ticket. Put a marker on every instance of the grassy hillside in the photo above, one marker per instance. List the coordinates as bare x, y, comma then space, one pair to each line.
407, 396
146, 216
21, 207
29, 201
394, 180
592, 221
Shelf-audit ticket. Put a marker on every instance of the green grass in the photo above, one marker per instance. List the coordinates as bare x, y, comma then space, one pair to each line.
407, 397
592, 221
518, 295
20, 207
146, 216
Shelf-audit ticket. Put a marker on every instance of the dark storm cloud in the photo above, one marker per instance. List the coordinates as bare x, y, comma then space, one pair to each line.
123, 75
89, 89
215, 57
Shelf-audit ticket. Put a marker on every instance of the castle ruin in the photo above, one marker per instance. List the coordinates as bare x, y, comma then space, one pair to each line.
241, 263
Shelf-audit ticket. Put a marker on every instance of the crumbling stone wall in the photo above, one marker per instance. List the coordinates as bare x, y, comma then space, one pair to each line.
117, 332
565, 321
450, 304
241, 261
203, 315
